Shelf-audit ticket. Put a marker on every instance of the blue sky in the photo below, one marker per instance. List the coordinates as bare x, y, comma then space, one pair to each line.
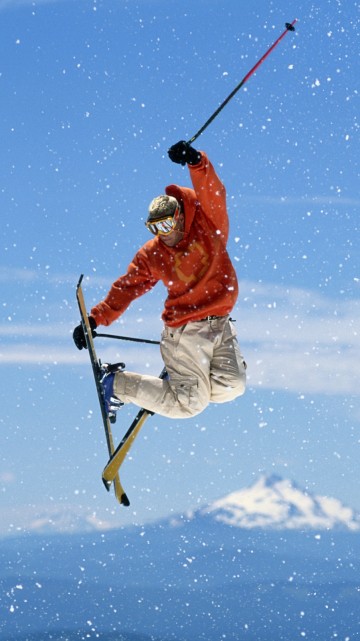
92, 95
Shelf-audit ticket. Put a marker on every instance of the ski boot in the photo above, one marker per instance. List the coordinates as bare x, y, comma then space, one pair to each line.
111, 402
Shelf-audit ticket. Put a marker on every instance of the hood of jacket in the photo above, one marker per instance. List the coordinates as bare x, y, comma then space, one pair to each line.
187, 198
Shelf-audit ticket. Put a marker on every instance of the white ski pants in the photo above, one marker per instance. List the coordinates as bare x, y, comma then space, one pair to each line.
204, 364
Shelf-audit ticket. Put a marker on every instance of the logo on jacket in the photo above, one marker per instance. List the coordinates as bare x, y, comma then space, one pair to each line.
191, 265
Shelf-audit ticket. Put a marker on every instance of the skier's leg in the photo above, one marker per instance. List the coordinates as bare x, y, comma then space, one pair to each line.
228, 367
186, 352
204, 363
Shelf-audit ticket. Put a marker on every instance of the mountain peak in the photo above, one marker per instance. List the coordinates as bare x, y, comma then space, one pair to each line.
276, 503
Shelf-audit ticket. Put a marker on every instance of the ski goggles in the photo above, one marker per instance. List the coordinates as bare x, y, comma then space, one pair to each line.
164, 226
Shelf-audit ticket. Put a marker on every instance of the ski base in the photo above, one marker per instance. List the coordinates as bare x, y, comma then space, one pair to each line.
115, 461
97, 372
117, 458
110, 475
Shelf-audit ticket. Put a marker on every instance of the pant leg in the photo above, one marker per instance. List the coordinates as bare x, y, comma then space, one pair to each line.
228, 367
203, 362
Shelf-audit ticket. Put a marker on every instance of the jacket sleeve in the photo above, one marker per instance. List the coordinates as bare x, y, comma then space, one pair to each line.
211, 194
136, 282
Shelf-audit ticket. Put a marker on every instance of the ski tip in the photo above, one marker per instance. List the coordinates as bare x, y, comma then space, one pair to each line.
80, 280
107, 484
124, 500
289, 26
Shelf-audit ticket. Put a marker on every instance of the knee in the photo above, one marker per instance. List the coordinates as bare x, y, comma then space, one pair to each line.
238, 383
223, 391
240, 387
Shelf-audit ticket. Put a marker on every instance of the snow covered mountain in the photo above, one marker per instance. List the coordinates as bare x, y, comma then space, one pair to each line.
262, 563
276, 503
270, 503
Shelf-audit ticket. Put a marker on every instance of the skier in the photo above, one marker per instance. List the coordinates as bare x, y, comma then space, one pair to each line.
188, 254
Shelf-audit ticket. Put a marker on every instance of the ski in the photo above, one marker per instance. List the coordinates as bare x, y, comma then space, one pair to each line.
112, 467
97, 371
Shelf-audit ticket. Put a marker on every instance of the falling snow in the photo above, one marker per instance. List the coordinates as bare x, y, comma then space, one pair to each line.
93, 94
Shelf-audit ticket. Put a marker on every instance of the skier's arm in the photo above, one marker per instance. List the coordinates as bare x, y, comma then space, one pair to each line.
136, 282
211, 194
208, 187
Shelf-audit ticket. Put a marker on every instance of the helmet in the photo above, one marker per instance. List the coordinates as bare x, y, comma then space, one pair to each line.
162, 207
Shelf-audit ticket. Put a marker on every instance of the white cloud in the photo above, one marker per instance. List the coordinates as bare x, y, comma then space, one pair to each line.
297, 340
15, 274
293, 339
26, 276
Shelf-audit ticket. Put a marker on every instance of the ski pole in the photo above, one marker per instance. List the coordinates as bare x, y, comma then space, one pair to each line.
289, 27
126, 338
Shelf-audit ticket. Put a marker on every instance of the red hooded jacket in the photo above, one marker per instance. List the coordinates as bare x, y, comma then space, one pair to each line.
197, 272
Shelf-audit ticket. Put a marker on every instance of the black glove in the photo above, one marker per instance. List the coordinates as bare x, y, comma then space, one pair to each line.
79, 336
183, 153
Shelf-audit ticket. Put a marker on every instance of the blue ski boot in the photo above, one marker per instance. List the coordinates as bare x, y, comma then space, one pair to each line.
111, 402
